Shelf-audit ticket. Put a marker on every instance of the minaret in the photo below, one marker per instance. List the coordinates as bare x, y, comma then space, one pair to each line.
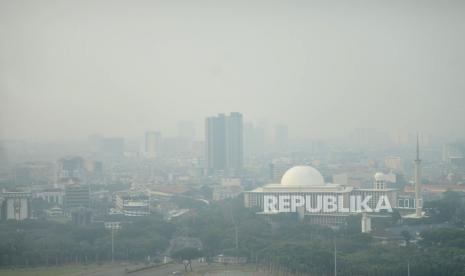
418, 197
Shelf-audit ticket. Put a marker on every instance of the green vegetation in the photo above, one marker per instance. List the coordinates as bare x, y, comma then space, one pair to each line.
280, 243
186, 255
40, 242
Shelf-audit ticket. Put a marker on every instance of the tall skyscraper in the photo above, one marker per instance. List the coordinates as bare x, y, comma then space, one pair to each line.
224, 143
153, 144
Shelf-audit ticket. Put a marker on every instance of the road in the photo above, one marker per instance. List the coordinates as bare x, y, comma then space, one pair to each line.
160, 271
167, 270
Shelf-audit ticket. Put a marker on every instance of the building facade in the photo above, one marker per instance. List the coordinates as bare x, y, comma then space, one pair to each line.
303, 190
16, 205
224, 143
133, 204
153, 144
77, 195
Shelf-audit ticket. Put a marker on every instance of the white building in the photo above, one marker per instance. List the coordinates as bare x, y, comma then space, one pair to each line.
55, 196
303, 190
16, 205
133, 204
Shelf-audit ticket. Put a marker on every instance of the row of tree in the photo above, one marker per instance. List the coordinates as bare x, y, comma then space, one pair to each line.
281, 243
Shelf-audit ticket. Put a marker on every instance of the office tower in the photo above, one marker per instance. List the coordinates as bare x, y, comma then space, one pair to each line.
224, 143
215, 143
153, 144
77, 196
71, 169
234, 141
281, 138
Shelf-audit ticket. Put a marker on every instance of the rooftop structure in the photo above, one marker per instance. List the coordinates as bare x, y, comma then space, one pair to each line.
304, 191
133, 204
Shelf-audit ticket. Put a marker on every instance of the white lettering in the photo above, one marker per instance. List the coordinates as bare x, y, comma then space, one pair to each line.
363, 205
284, 204
340, 204
352, 204
270, 202
329, 204
383, 204
297, 201
308, 204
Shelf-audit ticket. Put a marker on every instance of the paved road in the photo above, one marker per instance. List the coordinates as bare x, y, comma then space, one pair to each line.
165, 270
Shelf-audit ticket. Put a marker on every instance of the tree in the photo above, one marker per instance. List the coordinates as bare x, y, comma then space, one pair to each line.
407, 236
186, 255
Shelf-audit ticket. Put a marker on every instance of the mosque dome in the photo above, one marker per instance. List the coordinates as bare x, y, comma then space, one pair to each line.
302, 176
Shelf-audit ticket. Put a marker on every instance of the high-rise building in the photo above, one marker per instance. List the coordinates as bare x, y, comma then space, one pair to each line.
224, 143
153, 144
71, 168
77, 196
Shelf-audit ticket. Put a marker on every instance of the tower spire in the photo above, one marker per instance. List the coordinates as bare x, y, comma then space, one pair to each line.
418, 148
418, 196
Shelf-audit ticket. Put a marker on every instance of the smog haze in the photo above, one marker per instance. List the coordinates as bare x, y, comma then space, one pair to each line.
72, 68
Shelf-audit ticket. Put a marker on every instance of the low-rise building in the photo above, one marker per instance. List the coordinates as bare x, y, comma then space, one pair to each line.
229, 259
54, 196
229, 188
133, 203
16, 205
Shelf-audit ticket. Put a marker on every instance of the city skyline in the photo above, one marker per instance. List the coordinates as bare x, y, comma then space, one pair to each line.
160, 137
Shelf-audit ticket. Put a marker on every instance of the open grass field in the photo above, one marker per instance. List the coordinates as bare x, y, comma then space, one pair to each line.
226, 270
118, 269
71, 270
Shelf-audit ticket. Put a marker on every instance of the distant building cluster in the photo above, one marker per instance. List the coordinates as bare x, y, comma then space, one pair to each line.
229, 188
113, 179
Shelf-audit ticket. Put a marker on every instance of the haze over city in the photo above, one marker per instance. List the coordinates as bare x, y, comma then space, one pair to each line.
73, 68
232, 137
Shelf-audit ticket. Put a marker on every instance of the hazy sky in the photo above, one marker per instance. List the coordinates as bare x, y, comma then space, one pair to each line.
72, 68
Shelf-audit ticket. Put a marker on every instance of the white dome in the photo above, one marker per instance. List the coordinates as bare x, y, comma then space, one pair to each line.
302, 176
379, 176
